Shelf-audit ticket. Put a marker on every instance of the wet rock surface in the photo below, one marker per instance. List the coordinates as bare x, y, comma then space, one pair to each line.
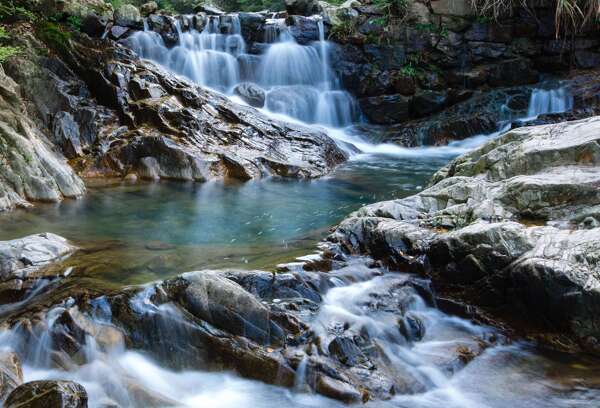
509, 226
59, 394
22, 257
181, 131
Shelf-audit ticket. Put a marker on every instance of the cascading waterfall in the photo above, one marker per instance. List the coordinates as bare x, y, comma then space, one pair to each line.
297, 79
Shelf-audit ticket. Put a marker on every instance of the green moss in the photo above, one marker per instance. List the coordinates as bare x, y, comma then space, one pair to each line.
54, 36
7, 52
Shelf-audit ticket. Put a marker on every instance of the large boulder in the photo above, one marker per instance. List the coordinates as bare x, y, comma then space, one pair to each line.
31, 170
513, 225
302, 7
24, 256
179, 130
44, 394
128, 15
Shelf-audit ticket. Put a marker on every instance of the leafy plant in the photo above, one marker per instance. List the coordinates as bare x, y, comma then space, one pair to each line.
569, 15
342, 30
409, 70
53, 35
74, 22
6, 51
8, 10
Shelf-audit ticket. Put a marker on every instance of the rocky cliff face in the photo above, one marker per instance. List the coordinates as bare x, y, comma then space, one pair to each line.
425, 57
512, 227
31, 169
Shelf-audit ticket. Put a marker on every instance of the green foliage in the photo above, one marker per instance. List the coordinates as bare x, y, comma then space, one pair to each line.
116, 3
10, 11
74, 22
409, 70
342, 30
6, 51
54, 36
440, 30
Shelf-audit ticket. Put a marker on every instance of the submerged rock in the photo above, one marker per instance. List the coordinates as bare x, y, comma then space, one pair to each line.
44, 394
511, 225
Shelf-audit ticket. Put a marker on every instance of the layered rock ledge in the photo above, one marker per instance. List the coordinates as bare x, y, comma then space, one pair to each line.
512, 227
95, 103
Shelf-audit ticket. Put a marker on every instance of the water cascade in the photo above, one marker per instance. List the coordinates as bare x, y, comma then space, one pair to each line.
414, 340
296, 79
543, 101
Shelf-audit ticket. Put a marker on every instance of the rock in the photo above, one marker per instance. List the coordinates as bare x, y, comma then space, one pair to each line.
43, 394
461, 8
506, 226
66, 134
94, 25
11, 373
386, 57
478, 114
182, 131
25, 256
386, 109
128, 15
252, 26
346, 351
221, 302
427, 102
31, 171
148, 8
251, 94
77, 8
117, 32
209, 9
304, 30
302, 7
587, 59
337, 389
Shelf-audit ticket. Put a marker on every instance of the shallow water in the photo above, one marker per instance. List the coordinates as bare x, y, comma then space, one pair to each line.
154, 230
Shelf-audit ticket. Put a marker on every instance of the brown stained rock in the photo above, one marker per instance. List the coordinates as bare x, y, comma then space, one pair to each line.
44, 394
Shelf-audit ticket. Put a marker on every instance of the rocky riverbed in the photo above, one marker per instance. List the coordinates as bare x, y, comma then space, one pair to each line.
234, 289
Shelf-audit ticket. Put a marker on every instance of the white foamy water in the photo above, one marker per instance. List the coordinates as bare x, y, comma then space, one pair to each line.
297, 79
367, 303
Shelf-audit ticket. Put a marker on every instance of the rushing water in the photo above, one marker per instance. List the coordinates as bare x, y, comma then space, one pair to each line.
135, 233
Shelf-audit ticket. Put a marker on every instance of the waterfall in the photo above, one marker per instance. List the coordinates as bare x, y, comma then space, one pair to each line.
544, 101
297, 79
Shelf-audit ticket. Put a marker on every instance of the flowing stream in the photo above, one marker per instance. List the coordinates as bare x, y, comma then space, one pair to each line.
136, 233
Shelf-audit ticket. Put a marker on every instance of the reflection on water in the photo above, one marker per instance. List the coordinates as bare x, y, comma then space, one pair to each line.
133, 233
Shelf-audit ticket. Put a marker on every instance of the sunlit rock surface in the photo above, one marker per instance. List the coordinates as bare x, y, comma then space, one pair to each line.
513, 225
